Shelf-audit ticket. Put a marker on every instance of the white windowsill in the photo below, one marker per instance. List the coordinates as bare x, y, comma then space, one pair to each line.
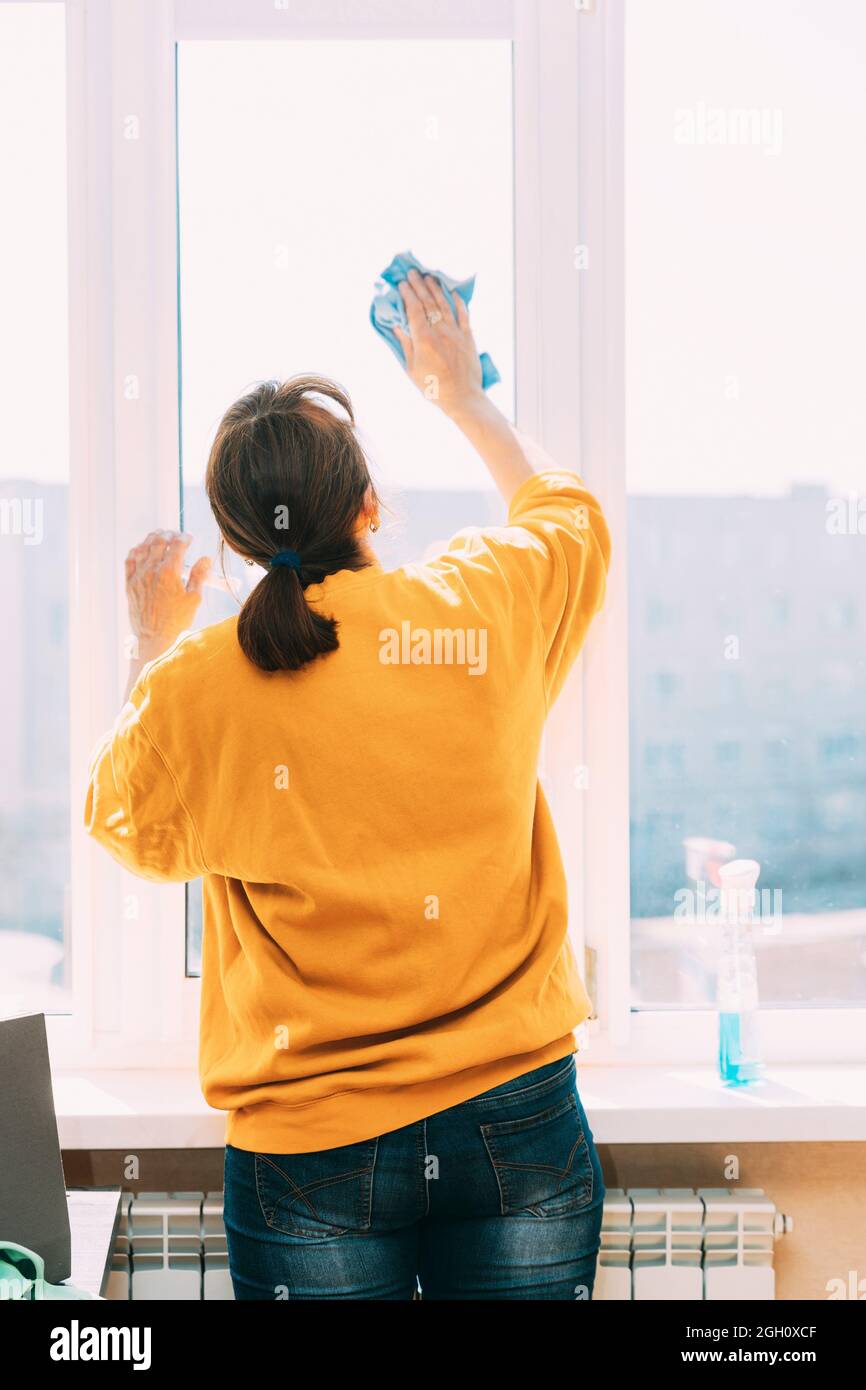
625, 1105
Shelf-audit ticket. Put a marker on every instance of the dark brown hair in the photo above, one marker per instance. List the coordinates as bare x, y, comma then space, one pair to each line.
287, 473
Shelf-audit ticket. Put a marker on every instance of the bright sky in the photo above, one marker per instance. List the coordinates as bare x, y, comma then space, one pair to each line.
34, 355
746, 290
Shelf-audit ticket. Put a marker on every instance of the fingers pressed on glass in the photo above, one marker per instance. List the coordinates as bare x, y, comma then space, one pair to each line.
135, 559
176, 550
198, 574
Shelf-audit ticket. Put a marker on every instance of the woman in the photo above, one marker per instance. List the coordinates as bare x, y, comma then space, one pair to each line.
388, 997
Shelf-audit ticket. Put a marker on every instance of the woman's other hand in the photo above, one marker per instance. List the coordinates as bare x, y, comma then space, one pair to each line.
161, 605
441, 356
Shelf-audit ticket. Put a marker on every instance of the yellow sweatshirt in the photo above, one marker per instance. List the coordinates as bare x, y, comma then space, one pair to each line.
384, 901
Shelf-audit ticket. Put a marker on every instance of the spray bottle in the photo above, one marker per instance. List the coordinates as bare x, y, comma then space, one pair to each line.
739, 1038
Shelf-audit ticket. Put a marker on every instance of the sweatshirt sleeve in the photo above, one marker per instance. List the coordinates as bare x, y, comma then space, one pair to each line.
560, 550
551, 562
134, 806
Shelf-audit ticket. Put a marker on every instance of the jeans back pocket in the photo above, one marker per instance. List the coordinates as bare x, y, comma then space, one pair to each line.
542, 1161
328, 1193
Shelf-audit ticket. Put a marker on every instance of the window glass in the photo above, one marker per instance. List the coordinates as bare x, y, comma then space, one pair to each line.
34, 510
746, 414
303, 168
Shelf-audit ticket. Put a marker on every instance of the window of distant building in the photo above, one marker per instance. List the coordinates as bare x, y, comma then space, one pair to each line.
664, 759
840, 614
839, 749
667, 684
661, 614
839, 811
730, 686
780, 609
730, 549
776, 690
777, 752
728, 752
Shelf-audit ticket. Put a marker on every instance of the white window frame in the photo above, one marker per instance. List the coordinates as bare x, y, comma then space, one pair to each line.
132, 1002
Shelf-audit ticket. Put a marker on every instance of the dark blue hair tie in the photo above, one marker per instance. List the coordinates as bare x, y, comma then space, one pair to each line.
288, 558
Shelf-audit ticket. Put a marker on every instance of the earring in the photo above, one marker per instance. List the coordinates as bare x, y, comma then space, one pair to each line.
374, 525
247, 562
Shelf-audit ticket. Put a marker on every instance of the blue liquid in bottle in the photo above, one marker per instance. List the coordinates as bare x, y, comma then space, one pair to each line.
739, 1030
739, 1058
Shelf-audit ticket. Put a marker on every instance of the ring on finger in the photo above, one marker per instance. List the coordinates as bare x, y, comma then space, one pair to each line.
434, 316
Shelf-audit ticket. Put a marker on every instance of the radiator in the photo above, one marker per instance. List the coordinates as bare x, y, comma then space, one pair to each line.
656, 1243
675, 1243
170, 1246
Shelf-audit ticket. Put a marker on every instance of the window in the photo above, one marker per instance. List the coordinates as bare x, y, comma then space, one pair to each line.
730, 686
145, 104
840, 613
667, 684
664, 759
661, 614
778, 755
267, 132
841, 750
776, 689
34, 513
780, 610
744, 434
725, 455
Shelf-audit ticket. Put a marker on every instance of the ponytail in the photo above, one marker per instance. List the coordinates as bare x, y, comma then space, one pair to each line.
285, 470
277, 628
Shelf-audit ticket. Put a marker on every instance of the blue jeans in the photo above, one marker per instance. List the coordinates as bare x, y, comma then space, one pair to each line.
499, 1197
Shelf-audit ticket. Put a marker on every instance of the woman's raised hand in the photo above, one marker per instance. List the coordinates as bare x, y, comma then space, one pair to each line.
441, 356
161, 605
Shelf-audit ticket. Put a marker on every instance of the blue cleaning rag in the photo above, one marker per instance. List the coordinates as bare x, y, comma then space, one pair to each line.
388, 310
